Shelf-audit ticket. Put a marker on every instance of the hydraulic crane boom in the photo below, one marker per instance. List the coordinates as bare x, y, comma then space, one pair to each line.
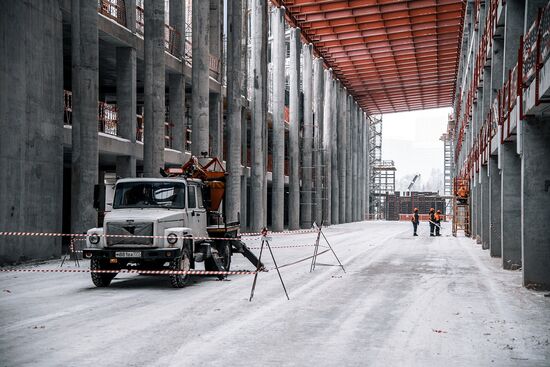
416, 177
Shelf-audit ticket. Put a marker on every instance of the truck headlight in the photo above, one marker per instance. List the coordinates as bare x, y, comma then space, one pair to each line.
94, 238
172, 238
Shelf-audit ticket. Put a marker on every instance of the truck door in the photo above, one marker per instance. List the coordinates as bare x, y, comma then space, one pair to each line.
196, 211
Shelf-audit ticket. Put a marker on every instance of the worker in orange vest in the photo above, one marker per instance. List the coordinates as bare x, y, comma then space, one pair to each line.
437, 223
432, 222
415, 221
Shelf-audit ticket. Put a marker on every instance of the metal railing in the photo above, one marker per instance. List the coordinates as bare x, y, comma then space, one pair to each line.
107, 118
114, 9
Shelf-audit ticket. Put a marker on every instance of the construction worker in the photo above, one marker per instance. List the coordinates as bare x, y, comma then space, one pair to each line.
432, 222
437, 221
415, 221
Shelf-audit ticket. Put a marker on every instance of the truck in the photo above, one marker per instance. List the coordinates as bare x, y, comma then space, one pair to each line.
168, 223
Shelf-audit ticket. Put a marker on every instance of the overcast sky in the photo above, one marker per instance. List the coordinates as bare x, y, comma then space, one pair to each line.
411, 139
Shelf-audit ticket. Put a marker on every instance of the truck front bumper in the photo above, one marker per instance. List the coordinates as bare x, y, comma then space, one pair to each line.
132, 254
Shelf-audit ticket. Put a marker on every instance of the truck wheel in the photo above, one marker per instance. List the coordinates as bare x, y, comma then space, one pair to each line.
183, 263
220, 261
100, 279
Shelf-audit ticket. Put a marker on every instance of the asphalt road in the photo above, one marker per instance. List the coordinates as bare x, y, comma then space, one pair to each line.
403, 301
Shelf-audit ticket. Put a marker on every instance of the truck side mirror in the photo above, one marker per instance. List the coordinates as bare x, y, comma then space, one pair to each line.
99, 197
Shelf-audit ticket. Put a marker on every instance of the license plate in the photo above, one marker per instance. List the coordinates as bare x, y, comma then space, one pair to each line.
128, 254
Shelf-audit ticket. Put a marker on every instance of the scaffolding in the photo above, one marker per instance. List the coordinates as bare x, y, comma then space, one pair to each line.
375, 160
383, 187
448, 162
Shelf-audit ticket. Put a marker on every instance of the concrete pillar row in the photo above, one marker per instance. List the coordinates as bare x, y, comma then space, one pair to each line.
278, 57
294, 131
234, 112
327, 146
335, 184
318, 109
308, 140
200, 104
153, 136
342, 159
258, 144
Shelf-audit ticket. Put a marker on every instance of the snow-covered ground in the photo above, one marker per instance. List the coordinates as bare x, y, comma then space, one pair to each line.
404, 301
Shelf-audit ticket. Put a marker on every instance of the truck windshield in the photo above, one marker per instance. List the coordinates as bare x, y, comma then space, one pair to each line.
149, 195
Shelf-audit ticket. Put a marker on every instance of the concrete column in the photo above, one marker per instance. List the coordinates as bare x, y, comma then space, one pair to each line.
349, 160
127, 106
200, 109
130, 6
31, 138
510, 164
354, 157
335, 184
494, 207
535, 198
234, 111
125, 166
318, 98
484, 207
176, 82
153, 137
513, 29
85, 138
278, 56
215, 115
363, 168
307, 149
244, 161
258, 194
294, 131
342, 154
216, 20
327, 142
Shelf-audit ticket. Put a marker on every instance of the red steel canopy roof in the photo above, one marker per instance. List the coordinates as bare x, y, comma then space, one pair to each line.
391, 55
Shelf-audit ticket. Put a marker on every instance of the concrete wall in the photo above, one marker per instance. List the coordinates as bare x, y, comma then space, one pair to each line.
31, 110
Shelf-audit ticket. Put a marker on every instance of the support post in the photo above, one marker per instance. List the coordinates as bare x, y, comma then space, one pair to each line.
510, 164
154, 129
327, 146
258, 185
342, 160
85, 160
294, 131
335, 184
234, 110
535, 202
308, 141
200, 108
318, 98
349, 160
278, 52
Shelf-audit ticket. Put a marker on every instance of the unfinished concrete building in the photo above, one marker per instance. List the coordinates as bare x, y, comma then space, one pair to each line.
98, 90
501, 138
